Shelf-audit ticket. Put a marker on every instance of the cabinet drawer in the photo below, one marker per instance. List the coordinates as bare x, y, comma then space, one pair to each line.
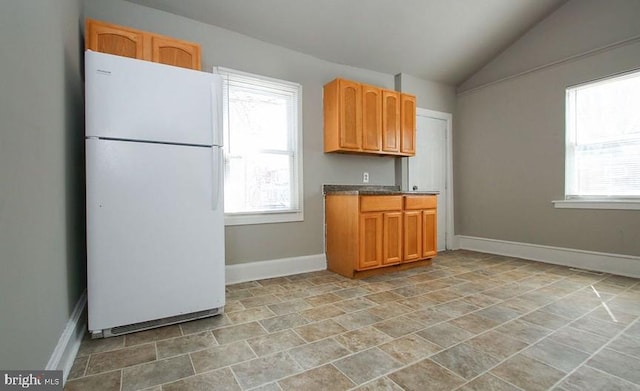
380, 203
420, 202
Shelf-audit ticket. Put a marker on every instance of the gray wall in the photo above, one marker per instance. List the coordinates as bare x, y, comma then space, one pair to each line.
429, 95
225, 48
41, 185
509, 135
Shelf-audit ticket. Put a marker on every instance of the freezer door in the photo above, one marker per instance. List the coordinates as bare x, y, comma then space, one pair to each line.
140, 100
155, 231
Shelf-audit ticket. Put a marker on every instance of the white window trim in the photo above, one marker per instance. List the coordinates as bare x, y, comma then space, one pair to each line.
285, 216
575, 202
597, 204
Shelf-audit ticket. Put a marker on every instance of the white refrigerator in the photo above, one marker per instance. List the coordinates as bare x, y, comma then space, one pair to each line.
155, 219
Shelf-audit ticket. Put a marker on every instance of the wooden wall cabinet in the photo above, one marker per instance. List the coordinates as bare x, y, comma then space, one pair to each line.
391, 121
125, 41
343, 110
408, 124
360, 118
113, 39
371, 118
366, 234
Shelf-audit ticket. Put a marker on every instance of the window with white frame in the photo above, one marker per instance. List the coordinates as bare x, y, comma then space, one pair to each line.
603, 140
263, 149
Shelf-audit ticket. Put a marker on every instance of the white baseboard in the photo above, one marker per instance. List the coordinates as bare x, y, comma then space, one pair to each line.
274, 268
620, 264
65, 351
454, 244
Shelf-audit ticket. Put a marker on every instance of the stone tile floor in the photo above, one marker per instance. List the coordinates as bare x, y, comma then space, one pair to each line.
472, 321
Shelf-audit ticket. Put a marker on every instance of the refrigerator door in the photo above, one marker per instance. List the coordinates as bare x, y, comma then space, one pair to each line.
140, 100
155, 231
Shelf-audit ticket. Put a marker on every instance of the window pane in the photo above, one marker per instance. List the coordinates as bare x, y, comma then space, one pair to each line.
608, 111
610, 170
603, 139
257, 120
258, 182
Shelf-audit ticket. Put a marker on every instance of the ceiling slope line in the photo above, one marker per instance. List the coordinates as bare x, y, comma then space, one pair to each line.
575, 57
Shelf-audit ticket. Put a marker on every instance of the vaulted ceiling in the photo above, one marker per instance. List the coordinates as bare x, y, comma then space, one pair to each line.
439, 40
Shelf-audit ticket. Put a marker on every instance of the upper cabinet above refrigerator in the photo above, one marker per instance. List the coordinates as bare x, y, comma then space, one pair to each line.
125, 41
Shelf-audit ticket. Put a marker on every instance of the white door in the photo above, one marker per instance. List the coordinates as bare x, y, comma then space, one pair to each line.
428, 169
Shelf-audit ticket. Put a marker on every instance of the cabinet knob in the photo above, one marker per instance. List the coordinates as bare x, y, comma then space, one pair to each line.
415, 188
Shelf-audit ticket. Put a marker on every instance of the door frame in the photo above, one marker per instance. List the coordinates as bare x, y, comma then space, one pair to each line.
450, 243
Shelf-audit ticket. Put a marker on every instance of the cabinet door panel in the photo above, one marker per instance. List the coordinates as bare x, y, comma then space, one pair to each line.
371, 118
390, 121
370, 240
107, 38
350, 114
429, 233
408, 126
392, 246
412, 235
175, 52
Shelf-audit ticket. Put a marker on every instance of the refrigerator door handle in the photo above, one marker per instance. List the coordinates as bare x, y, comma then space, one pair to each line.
216, 110
217, 179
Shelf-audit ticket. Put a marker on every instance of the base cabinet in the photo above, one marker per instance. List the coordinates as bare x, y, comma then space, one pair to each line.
370, 240
370, 233
392, 238
380, 239
412, 235
421, 222
430, 233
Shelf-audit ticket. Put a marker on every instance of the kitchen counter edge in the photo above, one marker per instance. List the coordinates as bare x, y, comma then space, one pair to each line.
371, 190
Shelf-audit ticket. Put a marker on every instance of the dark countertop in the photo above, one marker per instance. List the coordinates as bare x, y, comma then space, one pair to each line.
371, 190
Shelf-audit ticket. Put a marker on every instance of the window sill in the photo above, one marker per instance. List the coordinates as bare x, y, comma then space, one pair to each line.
597, 204
262, 218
